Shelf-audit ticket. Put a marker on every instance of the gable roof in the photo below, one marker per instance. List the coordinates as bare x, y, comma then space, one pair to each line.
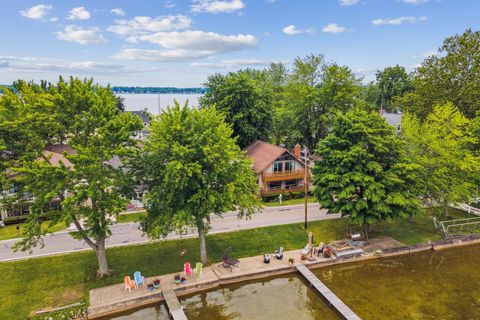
143, 115
263, 154
55, 154
393, 119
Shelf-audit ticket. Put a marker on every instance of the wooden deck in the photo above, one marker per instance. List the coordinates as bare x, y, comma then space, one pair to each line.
174, 306
332, 299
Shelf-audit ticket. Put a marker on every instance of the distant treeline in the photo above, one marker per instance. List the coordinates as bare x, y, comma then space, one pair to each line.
158, 90
161, 90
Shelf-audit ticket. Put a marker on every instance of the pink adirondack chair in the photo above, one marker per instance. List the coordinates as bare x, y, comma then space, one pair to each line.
187, 269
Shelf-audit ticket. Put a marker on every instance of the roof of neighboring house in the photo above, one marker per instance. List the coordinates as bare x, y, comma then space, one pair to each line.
263, 154
143, 115
55, 154
393, 119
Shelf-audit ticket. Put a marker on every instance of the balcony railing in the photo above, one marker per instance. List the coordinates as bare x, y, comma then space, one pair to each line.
277, 191
284, 175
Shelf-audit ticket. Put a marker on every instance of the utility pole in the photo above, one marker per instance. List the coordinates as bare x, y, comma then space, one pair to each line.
305, 182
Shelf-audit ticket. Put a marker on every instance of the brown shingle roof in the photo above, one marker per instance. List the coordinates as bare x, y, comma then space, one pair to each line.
263, 154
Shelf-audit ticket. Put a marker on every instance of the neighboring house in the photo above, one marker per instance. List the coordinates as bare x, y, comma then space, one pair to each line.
18, 209
144, 133
278, 170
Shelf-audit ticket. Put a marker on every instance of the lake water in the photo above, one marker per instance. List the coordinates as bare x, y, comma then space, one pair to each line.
426, 285
153, 102
285, 297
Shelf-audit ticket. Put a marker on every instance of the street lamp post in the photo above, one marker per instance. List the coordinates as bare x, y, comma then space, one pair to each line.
306, 185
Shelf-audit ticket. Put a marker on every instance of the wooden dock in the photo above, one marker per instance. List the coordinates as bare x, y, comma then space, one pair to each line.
332, 299
174, 306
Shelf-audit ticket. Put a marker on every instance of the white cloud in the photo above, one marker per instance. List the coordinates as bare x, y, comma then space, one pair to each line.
292, 30
169, 4
190, 44
333, 28
36, 12
429, 53
348, 2
53, 19
143, 25
414, 1
234, 63
118, 11
80, 35
32, 64
216, 6
79, 13
398, 21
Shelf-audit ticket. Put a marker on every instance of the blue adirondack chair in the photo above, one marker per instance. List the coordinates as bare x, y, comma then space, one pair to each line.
139, 279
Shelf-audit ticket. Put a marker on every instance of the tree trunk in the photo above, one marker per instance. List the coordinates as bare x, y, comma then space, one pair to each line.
101, 253
366, 230
203, 248
445, 208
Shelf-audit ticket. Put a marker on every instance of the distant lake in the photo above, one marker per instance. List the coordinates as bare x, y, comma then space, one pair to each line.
135, 102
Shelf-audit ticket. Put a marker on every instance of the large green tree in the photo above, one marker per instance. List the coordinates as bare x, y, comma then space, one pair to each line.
314, 93
194, 169
392, 82
86, 182
441, 144
362, 172
246, 101
450, 76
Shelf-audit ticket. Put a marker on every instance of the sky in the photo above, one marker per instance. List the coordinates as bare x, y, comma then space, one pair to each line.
180, 43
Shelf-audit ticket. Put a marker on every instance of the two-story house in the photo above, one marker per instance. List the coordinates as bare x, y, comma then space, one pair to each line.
279, 171
17, 210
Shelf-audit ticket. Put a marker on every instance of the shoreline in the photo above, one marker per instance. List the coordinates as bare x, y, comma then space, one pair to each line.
218, 277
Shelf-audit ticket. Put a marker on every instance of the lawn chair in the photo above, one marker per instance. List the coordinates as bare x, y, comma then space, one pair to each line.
228, 261
187, 269
129, 283
279, 254
306, 251
198, 269
139, 279
319, 250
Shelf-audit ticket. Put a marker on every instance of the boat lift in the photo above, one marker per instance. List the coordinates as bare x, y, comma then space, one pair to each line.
458, 226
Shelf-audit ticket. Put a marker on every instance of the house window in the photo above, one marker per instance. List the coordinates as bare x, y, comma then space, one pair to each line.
289, 166
277, 167
274, 185
291, 183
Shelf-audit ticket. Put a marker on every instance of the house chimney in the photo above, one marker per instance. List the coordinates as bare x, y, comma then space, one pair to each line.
297, 151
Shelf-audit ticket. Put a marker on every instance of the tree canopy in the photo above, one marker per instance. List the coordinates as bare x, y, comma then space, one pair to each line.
441, 145
246, 102
194, 169
452, 75
81, 120
363, 173
313, 92
392, 82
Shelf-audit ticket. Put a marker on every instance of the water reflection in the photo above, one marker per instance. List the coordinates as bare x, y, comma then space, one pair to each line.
278, 298
427, 285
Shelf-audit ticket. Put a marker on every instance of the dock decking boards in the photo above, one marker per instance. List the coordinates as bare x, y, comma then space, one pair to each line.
174, 306
332, 299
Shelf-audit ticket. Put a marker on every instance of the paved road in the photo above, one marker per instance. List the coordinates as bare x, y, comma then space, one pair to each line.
128, 233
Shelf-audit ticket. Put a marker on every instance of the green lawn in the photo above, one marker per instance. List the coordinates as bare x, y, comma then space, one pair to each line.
10, 231
131, 217
288, 202
54, 281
